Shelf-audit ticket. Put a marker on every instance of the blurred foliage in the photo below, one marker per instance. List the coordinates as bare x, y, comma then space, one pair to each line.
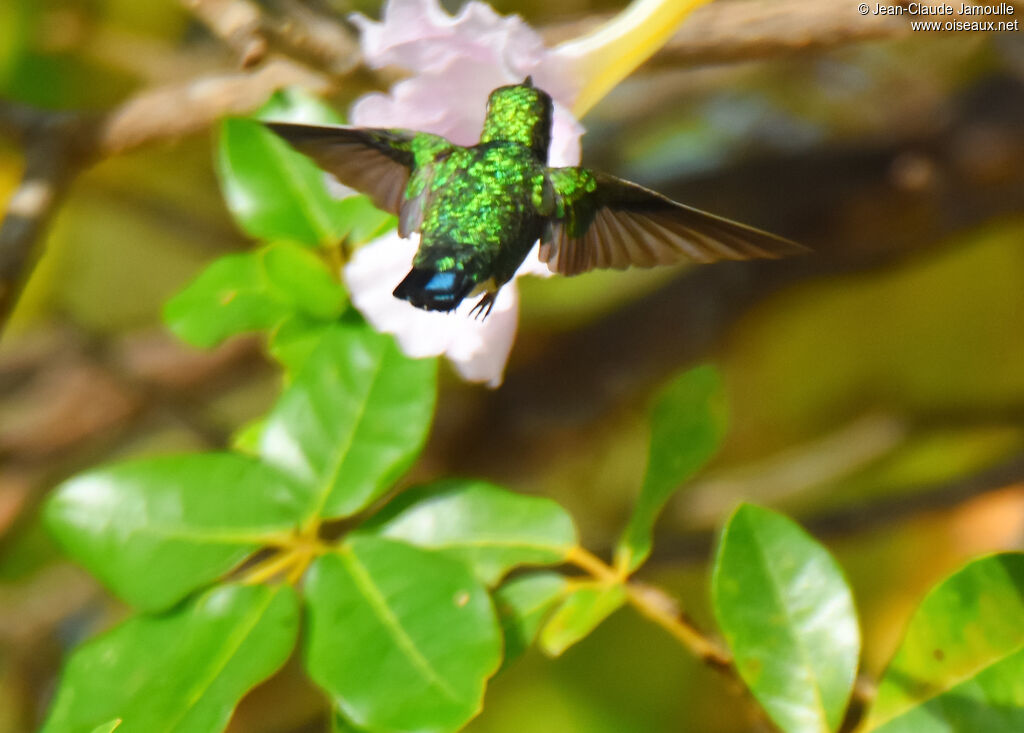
892, 369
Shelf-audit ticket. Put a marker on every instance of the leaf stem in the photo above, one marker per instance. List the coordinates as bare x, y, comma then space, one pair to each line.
592, 564
293, 558
273, 565
655, 605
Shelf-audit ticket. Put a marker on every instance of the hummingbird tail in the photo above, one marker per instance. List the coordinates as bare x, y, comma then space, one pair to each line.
434, 291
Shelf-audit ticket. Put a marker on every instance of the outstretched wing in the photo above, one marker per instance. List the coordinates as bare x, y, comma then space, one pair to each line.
605, 222
376, 162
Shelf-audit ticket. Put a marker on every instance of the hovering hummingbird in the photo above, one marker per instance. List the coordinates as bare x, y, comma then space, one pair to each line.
480, 209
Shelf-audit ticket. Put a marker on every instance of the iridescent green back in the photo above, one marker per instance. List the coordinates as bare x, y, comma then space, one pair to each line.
482, 210
521, 114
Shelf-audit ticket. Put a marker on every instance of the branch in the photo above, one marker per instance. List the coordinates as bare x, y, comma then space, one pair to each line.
312, 38
740, 30
59, 145
870, 513
49, 166
177, 110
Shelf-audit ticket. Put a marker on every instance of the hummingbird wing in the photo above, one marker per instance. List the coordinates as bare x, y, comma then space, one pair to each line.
376, 162
601, 221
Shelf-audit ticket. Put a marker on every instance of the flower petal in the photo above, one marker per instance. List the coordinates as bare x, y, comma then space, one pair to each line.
478, 348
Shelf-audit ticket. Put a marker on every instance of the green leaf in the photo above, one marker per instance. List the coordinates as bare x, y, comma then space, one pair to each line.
180, 672
302, 280
787, 613
257, 290
297, 105
247, 438
276, 193
523, 603
581, 613
490, 529
960, 666
352, 421
687, 426
401, 638
154, 530
295, 339
341, 724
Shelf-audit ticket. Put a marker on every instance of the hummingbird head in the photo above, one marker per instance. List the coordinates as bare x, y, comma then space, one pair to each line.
520, 113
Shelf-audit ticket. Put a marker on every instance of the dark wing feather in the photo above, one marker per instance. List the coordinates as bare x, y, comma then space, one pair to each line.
605, 222
376, 162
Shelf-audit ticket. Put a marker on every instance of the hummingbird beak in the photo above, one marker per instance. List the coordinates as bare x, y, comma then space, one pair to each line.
528, 82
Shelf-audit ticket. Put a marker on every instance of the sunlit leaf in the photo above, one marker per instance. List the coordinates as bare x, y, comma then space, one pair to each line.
247, 438
295, 339
687, 426
341, 724
787, 613
180, 672
523, 603
578, 615
257, 290
487, 527
960, 666
296, 105
153, 530
401, 638
276, 193
354, 418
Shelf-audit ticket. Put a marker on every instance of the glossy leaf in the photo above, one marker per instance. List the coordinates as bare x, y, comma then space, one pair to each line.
341, 724
301, 279
247, 438
154, 530
257, 290
523, 603
276, 193
785, 609
293, 104
353, 419
180, 672
687, 426
401, 638
295, 339
960, 666
582, 612
490, 529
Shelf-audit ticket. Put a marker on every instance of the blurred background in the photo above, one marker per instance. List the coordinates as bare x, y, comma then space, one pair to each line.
876, 386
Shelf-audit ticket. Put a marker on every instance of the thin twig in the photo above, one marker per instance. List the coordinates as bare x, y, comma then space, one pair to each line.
656, 605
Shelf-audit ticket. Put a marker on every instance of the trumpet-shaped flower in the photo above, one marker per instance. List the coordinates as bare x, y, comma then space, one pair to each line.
455, 62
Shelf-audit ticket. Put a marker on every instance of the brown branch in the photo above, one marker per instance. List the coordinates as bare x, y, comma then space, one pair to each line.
741, 30
49, 166
177, 110
59, 145
869, 514
300, 33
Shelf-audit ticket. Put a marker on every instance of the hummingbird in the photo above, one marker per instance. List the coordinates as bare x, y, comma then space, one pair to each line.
480, 209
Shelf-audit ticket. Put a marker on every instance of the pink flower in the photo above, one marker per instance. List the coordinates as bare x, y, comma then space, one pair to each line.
455, 63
